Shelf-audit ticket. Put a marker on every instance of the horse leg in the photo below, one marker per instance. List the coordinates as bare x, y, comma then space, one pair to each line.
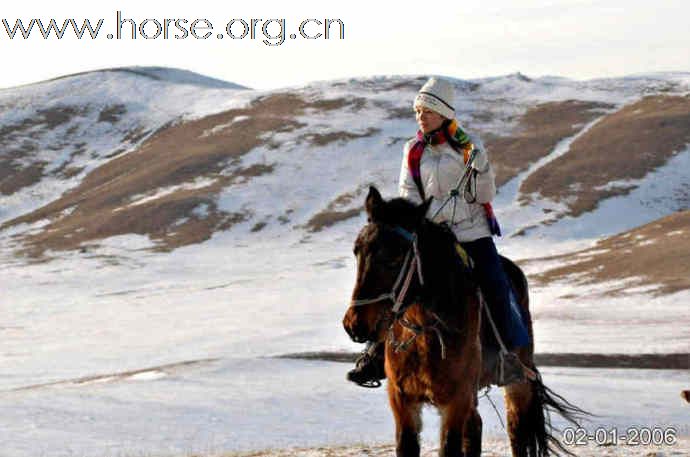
473, 435
520, 414
408, 422
454, 421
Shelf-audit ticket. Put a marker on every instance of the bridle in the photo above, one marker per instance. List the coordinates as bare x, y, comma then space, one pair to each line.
411, 264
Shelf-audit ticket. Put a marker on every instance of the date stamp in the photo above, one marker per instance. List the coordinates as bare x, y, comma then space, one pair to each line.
631, 436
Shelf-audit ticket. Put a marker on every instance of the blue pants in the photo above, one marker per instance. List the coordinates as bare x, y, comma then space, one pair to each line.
497, 291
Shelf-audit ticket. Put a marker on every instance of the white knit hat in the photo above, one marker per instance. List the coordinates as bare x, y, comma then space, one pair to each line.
437, 95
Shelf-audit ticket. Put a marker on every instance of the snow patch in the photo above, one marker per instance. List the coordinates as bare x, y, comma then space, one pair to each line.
219, 128
147, 376
198, 183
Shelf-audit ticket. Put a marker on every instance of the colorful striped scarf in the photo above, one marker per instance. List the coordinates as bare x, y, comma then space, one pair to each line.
451, 132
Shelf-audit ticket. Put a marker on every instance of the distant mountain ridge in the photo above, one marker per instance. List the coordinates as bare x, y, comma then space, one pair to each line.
172, 75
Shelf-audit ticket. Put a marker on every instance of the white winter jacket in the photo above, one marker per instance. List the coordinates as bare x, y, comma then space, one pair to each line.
440, 168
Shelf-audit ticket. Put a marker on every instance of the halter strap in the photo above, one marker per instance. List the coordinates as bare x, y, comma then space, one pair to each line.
411, 264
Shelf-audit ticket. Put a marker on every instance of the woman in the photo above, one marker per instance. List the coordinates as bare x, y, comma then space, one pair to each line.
432, 165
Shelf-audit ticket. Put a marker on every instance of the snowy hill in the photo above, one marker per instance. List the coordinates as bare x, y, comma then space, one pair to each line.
153, 160
184, 174
155, 218
53, 134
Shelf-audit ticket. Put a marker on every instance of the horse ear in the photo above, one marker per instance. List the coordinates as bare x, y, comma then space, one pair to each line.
422, 209
373, 203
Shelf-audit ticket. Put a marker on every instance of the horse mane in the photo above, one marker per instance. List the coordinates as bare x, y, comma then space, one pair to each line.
447, 281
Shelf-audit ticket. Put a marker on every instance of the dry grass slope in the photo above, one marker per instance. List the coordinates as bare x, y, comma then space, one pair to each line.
16, 146
334, 212
101, 206
657, 253
625, 145
538, 132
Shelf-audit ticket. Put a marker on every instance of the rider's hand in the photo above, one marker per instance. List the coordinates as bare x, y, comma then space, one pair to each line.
481, 161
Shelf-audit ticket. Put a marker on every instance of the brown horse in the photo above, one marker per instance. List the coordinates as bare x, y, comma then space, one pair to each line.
414, 292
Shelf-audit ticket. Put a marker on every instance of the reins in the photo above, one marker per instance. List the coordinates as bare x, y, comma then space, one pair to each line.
411, 264
416, 331
455, 192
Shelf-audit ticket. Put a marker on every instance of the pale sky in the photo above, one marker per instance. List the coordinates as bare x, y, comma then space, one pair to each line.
579, 39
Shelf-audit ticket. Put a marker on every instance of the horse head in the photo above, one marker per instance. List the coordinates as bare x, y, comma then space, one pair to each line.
381, 249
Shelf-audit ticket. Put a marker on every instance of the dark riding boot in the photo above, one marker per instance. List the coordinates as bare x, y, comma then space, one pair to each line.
368, 371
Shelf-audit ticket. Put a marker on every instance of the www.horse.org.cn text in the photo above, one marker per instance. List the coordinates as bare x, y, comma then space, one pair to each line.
271, 32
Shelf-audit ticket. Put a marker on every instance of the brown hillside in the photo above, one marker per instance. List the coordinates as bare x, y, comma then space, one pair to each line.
193, 152
22, 159
625, 145
336, 211
657, 253
538, 132
18, 166
196, 160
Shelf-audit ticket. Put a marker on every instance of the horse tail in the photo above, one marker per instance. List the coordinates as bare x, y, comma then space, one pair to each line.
530, 405
540, 438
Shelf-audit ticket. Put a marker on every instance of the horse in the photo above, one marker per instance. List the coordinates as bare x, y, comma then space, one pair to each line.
433, 335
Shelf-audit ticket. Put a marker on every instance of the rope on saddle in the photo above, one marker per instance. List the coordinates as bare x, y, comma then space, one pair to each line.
528, 372
483, 305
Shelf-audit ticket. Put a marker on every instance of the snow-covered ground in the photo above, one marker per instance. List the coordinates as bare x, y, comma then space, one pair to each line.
251, 404
238, 304
78, 331
490, 448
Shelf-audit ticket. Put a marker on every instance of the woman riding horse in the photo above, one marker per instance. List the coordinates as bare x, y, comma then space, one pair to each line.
414, 292
432, 165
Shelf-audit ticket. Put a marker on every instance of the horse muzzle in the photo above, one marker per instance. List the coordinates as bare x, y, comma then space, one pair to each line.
356, 327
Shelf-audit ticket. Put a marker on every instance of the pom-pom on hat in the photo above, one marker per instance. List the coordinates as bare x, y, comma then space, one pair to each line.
437, 95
